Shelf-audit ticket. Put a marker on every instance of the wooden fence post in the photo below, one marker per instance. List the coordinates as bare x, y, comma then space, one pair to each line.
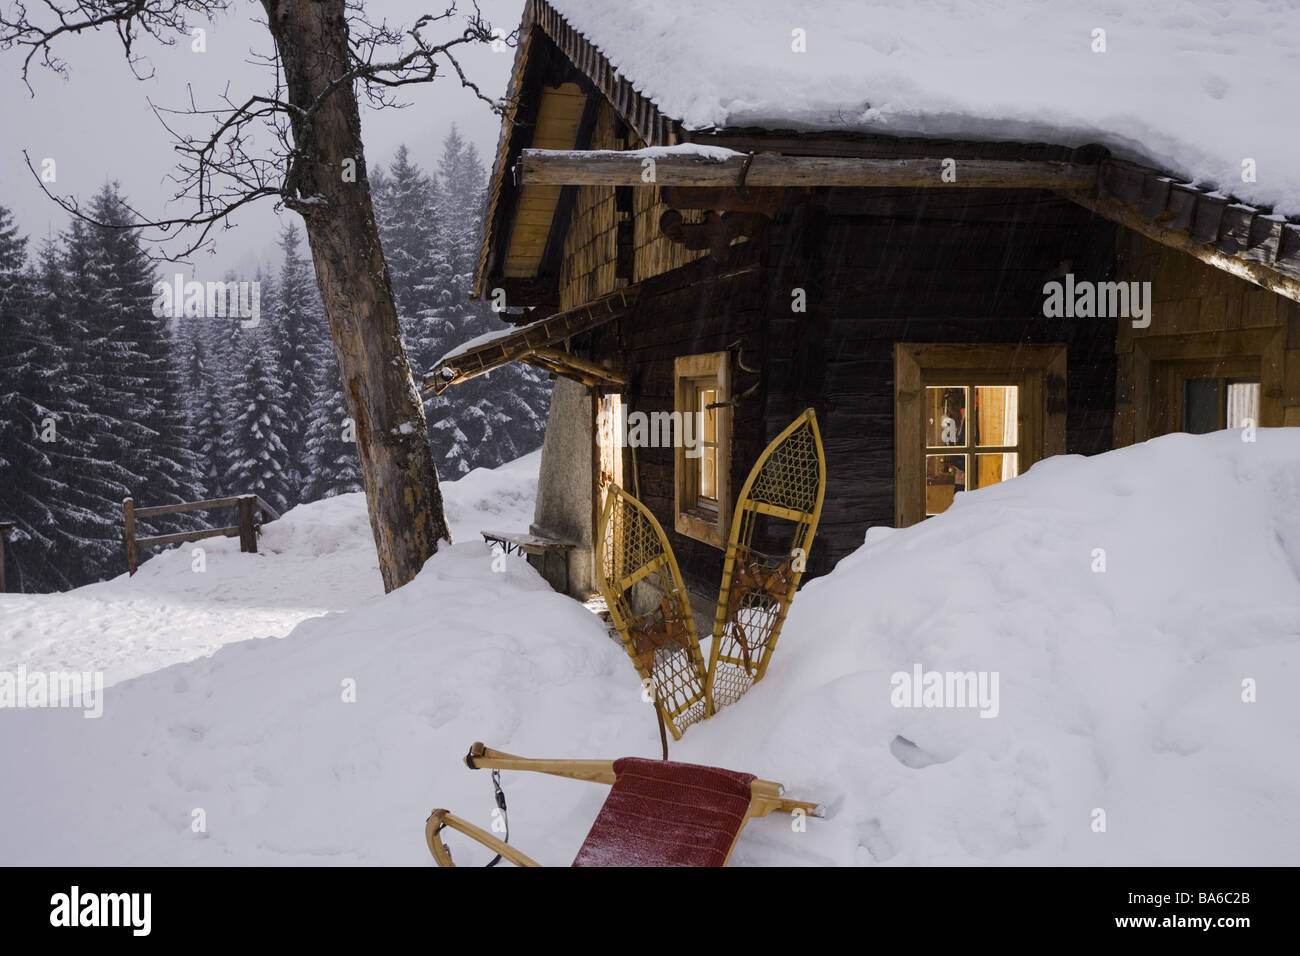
5, 528
128, 520
247, 530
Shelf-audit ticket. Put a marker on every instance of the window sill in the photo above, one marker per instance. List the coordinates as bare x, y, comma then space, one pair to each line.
702, 526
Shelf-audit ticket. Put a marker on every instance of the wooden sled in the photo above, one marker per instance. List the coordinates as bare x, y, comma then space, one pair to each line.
642, 586
787, 485
658, 812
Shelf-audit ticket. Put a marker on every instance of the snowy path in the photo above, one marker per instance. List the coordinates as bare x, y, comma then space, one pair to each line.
318, 559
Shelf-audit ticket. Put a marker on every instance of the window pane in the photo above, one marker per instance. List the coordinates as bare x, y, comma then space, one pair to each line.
945, 475
997, 414
1201, 405
945, 416
709, 416
709, 474
990, 469
1243, 403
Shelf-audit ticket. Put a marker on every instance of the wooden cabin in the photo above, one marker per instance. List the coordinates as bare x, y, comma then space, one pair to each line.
760, 271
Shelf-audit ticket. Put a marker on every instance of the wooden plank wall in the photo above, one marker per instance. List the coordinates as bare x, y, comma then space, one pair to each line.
689, 314
1190, 299
877, 267
884, 266
591, 244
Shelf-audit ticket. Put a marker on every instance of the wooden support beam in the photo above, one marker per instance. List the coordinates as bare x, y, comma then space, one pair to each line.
570, 366
472, 362
627, 168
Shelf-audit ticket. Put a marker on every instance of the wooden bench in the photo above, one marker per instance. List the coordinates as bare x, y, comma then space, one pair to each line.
532, 544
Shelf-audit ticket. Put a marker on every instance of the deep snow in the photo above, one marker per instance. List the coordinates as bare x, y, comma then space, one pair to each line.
323, 560
1190, 86
1119, 690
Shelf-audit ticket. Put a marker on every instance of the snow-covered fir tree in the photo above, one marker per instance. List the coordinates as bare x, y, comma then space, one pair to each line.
497, 417
257, 459
294, 333
131, 365
406, 209
333, 467
205, 418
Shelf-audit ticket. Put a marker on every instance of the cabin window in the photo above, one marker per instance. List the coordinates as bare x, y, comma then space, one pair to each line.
1200, 395
971, 439
701, 447
1212, 404
970, 416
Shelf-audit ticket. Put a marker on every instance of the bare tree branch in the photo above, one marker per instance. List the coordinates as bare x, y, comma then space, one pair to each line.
221, 170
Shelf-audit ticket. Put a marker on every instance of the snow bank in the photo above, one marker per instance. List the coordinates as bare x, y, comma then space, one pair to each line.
1190, 86
1118, 690
319, 558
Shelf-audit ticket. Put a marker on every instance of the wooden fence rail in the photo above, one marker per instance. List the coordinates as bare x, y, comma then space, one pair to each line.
247, 527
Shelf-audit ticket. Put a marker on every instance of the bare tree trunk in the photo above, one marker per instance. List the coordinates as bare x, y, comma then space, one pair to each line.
327, 184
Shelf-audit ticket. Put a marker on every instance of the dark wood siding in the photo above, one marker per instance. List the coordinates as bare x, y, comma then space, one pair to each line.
877, 267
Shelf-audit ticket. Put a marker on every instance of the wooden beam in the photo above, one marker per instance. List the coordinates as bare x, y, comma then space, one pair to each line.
1116, 210
626, 168
462, 366
570, 366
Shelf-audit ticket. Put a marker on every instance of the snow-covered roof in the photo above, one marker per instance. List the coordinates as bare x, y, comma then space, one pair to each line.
1195, 87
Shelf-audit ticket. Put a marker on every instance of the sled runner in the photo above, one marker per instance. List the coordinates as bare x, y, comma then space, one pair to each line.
642, 585
785, 486
658, 812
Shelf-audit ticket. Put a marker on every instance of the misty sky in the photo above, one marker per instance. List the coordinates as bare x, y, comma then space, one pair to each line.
98, 126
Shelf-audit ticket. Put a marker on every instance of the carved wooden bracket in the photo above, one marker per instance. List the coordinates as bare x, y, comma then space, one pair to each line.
715, 233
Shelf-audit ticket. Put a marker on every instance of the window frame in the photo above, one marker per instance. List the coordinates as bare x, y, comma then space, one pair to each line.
703, 524
1169, 380
1038, 372
1160, 363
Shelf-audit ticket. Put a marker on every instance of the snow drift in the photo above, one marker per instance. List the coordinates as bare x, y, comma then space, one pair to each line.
1120, 690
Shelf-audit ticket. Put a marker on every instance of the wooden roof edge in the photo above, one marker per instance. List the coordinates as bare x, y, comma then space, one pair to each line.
1244, 240
500, 162
638, 111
